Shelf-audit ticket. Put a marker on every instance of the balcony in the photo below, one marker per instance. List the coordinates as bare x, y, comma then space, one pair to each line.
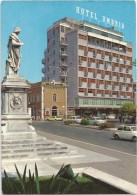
97, 65
102, 76
97, 86
85, 74
89, 64
63, 74
43, 61
120, 69
110, 58
80, 62
105, 67
80, 84
102, 56
113, 87
43, 79
43, 70
124, 79
113, 68
94, 75
63, 53
85, 53
63, 64
89, 85
63, 42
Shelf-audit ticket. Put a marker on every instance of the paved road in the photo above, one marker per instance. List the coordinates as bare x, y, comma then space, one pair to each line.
97, 142
93, 136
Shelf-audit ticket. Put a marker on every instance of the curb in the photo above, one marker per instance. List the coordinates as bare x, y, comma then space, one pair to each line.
111, 180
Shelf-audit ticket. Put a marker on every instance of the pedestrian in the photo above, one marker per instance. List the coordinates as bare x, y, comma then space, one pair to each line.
120, 118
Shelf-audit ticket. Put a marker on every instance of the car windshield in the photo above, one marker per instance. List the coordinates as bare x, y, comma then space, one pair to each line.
134, 128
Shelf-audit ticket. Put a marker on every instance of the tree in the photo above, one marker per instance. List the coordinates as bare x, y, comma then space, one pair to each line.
128, 108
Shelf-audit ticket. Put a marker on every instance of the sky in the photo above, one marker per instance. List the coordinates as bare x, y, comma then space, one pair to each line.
35, 17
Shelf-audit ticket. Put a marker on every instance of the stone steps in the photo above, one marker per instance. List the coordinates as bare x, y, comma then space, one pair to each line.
31, 148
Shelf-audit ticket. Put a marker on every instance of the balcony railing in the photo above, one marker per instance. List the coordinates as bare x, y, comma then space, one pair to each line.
63, 64
63, 43
107, 46
64, 53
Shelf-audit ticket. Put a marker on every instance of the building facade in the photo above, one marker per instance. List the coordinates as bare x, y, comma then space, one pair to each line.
47, 99
95, 62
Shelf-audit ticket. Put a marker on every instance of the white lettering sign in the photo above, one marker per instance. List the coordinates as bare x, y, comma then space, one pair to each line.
86, 13
93, 15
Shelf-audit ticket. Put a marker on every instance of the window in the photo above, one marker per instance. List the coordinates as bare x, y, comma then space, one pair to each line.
54, 97
121, 128
127, 129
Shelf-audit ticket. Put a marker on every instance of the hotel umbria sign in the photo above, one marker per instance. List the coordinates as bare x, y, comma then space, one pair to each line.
93, 15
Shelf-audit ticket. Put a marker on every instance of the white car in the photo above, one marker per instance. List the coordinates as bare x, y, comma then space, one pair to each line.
96, 121
76, 119
111, 116
126, 132
54, 118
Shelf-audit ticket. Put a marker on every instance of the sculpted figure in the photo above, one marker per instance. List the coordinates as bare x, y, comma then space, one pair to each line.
14, 55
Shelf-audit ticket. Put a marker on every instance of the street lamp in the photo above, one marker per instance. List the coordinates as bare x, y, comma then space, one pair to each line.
65, 74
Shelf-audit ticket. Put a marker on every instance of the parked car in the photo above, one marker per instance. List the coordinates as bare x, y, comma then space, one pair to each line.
54, 118
130, 120
126, 132
76, 119
96, 121
111, 116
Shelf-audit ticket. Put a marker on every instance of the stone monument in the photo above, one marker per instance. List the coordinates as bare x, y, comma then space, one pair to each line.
15, 116
20, 143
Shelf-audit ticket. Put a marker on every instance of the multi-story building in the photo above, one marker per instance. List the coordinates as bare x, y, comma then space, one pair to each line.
47, 99
95, 61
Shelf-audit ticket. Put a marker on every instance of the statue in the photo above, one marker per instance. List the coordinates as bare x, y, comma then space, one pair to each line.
14, 55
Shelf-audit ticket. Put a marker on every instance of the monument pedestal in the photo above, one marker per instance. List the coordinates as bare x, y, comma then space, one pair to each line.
15, 116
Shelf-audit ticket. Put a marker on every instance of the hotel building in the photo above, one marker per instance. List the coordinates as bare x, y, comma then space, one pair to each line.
96, 63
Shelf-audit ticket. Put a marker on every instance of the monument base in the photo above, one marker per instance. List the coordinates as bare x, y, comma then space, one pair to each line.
15, 116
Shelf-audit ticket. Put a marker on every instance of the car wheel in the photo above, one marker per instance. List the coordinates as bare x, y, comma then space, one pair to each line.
116, 137
134, 139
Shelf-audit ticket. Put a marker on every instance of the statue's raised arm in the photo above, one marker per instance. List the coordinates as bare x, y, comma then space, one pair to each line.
14, 55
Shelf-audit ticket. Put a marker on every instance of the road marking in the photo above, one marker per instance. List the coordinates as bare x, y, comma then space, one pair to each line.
89, 144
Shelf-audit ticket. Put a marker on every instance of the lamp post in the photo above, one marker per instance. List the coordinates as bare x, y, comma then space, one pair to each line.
65, 74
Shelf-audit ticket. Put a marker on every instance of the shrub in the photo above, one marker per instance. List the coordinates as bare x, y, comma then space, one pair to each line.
68, 122
106, 125
85, 121
58, 184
